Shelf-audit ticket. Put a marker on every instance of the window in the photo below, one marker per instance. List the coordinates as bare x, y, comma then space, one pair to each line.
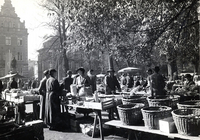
10, 24
18, 26
2, 24
13, 25
8, 40
19, 41
19, 56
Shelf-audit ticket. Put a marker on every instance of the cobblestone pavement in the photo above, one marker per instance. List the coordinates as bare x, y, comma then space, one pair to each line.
55, 135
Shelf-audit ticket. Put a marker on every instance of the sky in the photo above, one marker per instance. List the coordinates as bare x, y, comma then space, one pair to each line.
34, 16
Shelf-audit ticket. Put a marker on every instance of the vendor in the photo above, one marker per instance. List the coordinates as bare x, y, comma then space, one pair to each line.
111, 82
81, 80
189, 90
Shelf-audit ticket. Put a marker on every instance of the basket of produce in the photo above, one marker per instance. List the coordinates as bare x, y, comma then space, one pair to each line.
189, 104
152, 115
187, 121
175, 100
131, 113
159, 101
127, 99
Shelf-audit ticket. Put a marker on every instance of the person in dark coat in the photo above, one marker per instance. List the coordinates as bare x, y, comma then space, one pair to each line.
12, 84
42, 92
111, 82
67, 81
157, 83
52, 107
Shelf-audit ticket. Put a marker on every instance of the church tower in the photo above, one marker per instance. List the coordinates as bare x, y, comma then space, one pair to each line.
13, 41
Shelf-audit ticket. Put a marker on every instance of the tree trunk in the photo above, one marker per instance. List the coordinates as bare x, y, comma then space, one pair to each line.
172, 67
65, 62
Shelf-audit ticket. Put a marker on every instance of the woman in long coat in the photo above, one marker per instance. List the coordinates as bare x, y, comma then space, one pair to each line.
52, 107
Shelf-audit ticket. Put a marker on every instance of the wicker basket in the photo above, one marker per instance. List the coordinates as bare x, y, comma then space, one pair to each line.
189, 104
130, 114
152, 115
187, 121
134, 99
159, 101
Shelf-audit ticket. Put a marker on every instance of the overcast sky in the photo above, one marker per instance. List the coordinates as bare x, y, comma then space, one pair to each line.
34, 16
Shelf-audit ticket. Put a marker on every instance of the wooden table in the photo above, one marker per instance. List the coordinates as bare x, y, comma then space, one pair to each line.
97, 107
20, 102
118, 123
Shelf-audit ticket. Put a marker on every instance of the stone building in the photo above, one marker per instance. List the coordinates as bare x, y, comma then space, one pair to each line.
13, 41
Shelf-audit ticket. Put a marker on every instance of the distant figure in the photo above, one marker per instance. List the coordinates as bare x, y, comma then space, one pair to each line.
12, 84
137, 82
196, 78
149, 73
92, 80
130, 81
157, 83
20, 83
123, 80
35, 83
67, 81
111, 82
29, 83
42, 92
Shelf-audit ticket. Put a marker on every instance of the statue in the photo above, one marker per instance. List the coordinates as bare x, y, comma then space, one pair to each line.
14, 64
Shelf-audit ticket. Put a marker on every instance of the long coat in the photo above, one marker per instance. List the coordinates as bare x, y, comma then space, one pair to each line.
42, 91
52, 107
111, 83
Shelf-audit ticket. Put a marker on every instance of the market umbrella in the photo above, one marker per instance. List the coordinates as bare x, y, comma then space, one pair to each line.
100, 75
15, 75
128, 69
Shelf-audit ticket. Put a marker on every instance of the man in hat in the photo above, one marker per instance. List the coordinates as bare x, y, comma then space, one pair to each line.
67, 81
42, 91
157, 83
52, 107
111, 82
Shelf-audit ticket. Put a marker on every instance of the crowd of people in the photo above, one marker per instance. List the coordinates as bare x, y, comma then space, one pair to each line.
50, 89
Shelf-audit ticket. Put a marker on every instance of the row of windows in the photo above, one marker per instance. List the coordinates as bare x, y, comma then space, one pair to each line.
19, 41
18, 57
10, 24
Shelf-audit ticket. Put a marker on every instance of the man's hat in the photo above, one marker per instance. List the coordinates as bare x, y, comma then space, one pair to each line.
188, 75
69, 72
46, 72
52, 70
81, 69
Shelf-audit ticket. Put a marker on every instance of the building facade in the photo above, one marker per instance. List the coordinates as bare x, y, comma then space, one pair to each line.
13, 41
